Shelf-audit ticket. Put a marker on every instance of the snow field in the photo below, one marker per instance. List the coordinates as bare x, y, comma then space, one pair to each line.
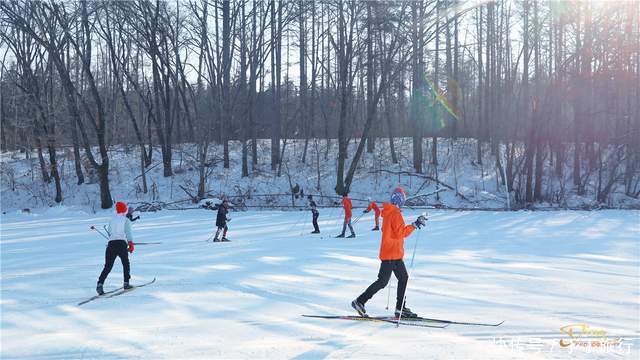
538, 271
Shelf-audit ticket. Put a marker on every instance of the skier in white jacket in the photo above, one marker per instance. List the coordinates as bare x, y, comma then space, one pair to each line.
120, 245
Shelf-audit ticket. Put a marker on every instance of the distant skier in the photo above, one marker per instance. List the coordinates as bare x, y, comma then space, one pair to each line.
132, 215
221, 219
373, 206
315, 214
120, 245
346, 204
394, 231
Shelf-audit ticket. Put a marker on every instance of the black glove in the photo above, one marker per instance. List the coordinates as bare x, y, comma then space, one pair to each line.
420, 222
133, 216
365, 211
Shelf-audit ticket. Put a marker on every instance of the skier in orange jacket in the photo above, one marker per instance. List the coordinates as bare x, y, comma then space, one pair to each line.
346, 204
373, 206
394, 231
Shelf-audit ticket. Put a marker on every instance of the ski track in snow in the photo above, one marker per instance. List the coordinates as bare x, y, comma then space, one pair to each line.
538, 271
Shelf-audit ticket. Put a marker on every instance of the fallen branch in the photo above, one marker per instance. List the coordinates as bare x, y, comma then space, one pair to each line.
193, 198
147, 170
423, 177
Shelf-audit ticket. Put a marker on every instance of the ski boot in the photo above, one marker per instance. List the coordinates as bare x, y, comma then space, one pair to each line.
359, 308
224, 239
352, 236
375, 229
216, 240
315, 232
406, 313
126, 286
99, 289
340, 236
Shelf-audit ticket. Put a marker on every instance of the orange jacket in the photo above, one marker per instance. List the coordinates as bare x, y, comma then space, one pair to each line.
393, 233
373, 206
346, 203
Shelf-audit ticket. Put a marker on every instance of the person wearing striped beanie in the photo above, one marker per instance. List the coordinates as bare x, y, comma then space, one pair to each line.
394, 231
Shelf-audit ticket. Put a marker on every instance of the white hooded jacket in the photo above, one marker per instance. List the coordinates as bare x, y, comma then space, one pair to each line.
119, 228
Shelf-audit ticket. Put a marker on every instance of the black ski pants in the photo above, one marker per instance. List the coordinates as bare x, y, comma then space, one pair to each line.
115, 248
316, 214
386, 268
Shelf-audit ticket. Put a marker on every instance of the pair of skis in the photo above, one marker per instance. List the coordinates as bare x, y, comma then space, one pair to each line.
411, 321
383, 319
116, 292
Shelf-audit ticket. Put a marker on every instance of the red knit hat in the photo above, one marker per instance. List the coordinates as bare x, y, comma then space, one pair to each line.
121, 208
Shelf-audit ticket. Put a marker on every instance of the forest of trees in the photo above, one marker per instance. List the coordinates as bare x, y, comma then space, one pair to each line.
545, 86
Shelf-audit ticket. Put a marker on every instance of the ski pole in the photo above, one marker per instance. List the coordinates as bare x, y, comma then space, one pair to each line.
404, 299
358, 219
300, 217
303, 214
413, 256
99, 232
388, 297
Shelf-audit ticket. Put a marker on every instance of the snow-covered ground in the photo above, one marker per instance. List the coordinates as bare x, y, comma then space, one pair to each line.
537, 271
21, 186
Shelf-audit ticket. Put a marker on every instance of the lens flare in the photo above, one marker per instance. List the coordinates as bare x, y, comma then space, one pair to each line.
426, 101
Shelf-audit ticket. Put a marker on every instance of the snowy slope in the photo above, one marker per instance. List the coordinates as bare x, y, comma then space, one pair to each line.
21, 186
538, 271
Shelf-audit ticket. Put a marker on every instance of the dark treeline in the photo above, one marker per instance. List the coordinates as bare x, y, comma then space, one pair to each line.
544, 86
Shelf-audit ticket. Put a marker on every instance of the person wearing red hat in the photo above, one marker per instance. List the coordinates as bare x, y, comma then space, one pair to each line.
120, 245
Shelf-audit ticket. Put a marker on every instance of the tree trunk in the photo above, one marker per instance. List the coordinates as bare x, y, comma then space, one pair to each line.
417, 86
276, 56
243, 93
371, 75
303, 120
390, 125
227, 115
43, 164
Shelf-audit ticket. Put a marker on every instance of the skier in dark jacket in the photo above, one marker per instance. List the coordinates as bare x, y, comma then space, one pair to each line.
315, 214
221, 218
